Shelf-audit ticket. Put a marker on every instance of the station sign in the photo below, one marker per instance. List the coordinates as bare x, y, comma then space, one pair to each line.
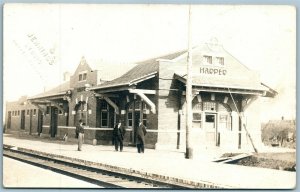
213, 71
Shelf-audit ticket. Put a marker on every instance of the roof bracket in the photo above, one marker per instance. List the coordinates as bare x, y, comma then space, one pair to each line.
111, 103
148, 101
58, 106
39, 107
247, 103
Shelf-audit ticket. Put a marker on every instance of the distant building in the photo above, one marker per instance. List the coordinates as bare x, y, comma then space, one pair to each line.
154, 91
279, 129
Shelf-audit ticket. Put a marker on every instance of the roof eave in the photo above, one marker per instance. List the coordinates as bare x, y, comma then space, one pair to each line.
109, 86
45, 96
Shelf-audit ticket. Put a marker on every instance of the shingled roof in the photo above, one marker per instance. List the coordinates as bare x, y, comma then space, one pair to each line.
59, 90
141, 70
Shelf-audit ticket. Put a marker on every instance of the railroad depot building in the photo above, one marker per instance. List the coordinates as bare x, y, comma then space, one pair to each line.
225, 105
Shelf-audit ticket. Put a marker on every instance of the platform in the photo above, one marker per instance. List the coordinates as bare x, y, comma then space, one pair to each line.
164, 164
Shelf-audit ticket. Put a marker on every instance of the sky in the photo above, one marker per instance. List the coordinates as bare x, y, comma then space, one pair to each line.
42, 41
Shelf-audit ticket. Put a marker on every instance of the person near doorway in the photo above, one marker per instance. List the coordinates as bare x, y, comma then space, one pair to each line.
80, 130
118, 136
140, 137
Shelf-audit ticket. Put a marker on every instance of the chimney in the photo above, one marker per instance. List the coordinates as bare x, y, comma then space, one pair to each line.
66, 76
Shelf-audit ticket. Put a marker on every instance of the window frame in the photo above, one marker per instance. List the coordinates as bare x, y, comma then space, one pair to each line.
48, 110
197, 110
208, 59
220, 61
104, 108
130, 110
82, 76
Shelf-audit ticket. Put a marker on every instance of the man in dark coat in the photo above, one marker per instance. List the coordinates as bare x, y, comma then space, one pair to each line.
140, 137
118, 136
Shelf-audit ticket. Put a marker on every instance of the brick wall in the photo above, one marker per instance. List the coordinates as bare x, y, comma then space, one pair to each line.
92, 103
16, 119
168, 106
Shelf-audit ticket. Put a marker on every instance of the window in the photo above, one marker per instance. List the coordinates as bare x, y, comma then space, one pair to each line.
145, 111
34, 111
207, 59
104, 114
220, 60
82, 76
137, 105
144, 119
48, 110
27, 112
129, 117
210, 121
197, 116
139, 109
209, 106
104, 118
18, 113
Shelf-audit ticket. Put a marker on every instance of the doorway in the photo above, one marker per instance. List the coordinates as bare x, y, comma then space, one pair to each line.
53, 124
23, 119
40, 122
211, 129
9, 120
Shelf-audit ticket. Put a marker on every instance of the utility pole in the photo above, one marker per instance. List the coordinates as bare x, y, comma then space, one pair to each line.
189, 149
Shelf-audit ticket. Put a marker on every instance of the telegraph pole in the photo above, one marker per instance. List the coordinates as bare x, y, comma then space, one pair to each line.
188, 94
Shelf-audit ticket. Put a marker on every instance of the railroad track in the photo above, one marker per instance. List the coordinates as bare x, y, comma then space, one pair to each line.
98, 176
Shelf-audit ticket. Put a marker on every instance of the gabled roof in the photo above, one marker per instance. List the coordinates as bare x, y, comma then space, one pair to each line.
142, 70
108, 70
231, 74
57, 91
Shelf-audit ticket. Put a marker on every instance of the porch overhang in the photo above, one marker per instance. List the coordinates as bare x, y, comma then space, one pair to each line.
230, 90
141, 93
257, 89
109, 101
38, 102
38, 105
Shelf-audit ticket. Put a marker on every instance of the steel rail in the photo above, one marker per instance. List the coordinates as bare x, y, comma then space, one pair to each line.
97, 176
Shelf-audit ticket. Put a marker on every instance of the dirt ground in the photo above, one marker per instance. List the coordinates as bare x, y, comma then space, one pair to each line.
281, 161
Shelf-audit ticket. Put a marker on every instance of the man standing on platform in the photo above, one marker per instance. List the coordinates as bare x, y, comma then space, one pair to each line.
140, 137
118, 136
80, 130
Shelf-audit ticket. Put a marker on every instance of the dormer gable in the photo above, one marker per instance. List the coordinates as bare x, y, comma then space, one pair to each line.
84, 75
